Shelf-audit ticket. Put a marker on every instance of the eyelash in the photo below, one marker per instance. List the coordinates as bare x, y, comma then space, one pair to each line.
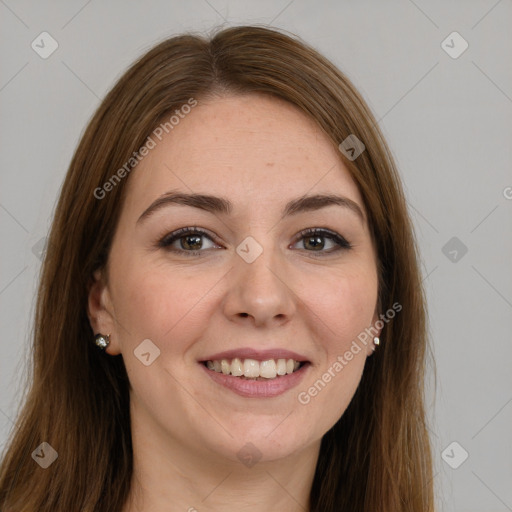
168, 239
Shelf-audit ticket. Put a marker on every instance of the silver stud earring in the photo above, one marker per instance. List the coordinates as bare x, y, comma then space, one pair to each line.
376, 341
102, 341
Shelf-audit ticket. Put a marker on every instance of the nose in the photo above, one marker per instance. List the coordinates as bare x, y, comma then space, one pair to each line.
260, 292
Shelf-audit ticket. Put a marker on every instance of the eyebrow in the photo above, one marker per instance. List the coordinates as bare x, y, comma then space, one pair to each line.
219, 205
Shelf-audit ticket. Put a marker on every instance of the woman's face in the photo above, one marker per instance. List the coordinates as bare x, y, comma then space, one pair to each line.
243, 288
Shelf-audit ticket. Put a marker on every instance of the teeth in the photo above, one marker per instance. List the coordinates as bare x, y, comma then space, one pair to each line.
252, 369
225, 367
268, 369
236, 367
280, 367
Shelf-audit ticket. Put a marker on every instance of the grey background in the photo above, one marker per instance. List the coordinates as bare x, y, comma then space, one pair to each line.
448, 122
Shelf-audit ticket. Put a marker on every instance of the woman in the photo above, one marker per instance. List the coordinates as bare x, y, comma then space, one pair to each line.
230, 314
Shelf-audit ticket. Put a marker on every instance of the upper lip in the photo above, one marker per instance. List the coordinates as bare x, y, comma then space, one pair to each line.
258, 355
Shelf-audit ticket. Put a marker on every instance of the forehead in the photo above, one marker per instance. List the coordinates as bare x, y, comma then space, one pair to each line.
251, 148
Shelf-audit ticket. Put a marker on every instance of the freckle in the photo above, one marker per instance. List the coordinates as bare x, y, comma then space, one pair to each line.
270, 164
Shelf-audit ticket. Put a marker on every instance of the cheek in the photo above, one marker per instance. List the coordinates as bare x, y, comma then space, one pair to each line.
345, 307
345, 311
162, 306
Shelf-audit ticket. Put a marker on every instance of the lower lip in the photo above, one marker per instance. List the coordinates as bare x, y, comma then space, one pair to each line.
258, 388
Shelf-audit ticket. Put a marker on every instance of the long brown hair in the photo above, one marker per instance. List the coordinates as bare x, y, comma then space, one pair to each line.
378, 456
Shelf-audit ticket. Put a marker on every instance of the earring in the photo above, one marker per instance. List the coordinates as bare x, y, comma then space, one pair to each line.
102, 341
376, 341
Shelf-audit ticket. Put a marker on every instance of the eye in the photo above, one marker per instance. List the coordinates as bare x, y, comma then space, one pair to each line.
314, 240
191, 241
187, 241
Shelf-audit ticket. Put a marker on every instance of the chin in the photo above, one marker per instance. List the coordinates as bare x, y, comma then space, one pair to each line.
260, 440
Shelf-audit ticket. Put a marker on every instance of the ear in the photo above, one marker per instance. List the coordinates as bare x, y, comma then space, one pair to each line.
100, 311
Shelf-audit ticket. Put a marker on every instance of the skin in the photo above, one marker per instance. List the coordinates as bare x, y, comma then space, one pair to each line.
259, 153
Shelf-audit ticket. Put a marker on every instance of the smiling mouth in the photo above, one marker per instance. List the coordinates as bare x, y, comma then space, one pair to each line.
252, 369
